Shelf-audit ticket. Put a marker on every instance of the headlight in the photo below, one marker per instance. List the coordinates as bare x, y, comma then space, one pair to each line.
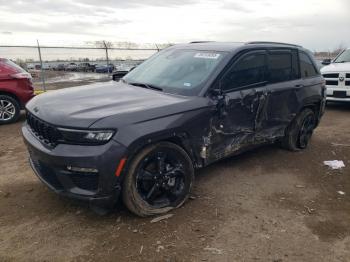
86, 136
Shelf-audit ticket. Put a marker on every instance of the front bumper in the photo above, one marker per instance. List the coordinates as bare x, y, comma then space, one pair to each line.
331, 90
101, 188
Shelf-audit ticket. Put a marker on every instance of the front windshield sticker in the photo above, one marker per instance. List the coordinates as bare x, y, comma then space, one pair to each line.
187, 84
207, 55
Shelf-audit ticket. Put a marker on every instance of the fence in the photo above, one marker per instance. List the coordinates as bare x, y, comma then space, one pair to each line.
49, 57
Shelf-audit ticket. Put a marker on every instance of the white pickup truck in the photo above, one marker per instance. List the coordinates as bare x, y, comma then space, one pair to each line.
337, 76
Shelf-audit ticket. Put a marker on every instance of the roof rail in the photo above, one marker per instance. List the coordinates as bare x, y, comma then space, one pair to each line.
199, 42
267, 42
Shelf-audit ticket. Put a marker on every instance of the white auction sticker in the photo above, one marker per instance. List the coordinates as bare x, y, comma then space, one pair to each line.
207, 55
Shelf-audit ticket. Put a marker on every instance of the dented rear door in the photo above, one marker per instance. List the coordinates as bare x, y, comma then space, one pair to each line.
281, 103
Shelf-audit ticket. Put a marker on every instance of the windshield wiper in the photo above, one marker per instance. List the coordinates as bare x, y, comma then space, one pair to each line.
342, 62
145, 86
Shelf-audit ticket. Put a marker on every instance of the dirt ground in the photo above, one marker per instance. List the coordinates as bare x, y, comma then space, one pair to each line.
265, 205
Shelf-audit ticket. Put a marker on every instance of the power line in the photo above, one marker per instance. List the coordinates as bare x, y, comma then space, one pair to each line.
75, 47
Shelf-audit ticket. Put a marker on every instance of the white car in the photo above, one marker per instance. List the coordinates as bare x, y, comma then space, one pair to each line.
337, 76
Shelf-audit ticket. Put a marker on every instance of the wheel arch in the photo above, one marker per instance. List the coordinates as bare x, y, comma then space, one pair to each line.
12, 95
180, 139
315, 107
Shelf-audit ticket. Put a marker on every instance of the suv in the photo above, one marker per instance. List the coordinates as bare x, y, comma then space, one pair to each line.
337, 76
183, 109
86, 67
16, 90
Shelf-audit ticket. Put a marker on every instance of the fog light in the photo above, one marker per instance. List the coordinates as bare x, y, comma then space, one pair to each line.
82, 169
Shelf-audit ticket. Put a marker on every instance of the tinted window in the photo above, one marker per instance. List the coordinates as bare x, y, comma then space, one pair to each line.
295, 65
280, 66
247, 71
307, 68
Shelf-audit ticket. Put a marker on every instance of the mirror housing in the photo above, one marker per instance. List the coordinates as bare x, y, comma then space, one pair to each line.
222, 101
216, 92
327, 61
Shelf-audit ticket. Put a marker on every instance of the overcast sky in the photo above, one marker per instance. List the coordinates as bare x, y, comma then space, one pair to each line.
316, 24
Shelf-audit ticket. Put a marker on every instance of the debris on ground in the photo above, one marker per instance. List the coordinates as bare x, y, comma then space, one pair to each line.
310, 210
334, 164
336, 144
5, 194
157, 219
214, 250
341, 193
159, 248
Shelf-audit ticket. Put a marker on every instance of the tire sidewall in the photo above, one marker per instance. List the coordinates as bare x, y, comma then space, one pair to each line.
131, 197
17, 109
291, 139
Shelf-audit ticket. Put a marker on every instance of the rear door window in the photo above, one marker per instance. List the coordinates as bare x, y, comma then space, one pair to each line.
307, 67
280, 66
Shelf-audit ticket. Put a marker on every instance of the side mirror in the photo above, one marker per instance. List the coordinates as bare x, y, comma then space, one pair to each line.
222, 101
217, 92
326, 61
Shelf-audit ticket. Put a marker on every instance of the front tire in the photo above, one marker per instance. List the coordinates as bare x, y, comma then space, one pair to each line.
9, 109
299, 132
158, 179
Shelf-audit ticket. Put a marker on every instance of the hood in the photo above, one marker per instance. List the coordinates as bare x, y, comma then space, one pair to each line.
336, 68
82, 106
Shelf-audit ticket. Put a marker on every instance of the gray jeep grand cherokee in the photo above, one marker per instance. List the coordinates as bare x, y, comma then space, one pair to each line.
184, 108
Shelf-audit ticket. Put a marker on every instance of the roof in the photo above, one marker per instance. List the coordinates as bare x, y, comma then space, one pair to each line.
229, 46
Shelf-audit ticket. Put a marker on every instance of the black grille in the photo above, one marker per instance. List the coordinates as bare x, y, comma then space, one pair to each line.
347, 83
85, 181
331, 75
347, 75
44, 131
332, 82
47, 174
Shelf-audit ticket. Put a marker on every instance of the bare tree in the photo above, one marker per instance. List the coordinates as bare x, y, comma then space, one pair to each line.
126, 45
103, 44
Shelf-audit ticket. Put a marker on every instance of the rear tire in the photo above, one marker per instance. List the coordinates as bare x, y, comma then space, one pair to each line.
299, 132
158, 179
9, 109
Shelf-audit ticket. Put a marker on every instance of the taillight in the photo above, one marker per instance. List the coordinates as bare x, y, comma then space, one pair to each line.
22, 76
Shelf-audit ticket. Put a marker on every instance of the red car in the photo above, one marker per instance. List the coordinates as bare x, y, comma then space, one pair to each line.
16, 89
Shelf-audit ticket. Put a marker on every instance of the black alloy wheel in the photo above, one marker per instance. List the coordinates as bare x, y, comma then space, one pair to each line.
159, 179
306, 131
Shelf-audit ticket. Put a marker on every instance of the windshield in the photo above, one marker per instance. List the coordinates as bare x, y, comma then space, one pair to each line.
343, 57
176, 71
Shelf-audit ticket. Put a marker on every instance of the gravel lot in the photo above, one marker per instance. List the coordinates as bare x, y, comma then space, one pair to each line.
265, 205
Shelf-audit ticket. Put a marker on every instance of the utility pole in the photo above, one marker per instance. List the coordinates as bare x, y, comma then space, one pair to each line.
106, 48
41, 67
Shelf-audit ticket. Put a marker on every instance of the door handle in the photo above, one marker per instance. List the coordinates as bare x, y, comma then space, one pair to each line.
299, 85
